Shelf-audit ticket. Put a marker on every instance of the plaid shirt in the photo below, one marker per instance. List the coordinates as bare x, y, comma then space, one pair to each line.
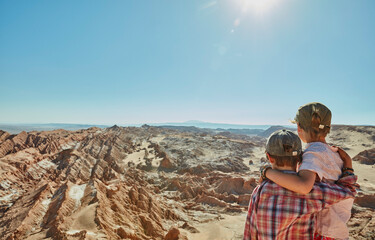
277, 213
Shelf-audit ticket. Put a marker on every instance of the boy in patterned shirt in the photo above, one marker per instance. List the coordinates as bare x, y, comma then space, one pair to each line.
277, 213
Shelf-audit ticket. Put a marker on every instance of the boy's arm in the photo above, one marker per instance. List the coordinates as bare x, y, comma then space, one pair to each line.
302, 183
249, 223
349, 182
324, 194
246, 234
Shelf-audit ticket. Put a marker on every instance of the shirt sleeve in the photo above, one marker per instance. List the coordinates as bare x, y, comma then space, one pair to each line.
311, 162
246, 234
349, 182
325, 194
247, 231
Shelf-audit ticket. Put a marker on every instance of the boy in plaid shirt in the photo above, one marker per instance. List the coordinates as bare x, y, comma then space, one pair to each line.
278, 213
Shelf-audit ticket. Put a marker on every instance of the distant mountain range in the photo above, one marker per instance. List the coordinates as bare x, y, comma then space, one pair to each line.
249, 129
16, 128
201, 124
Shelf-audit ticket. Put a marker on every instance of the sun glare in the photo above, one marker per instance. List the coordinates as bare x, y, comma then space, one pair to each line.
258, 6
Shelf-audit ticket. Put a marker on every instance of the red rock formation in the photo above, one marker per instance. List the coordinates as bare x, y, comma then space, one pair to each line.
167, 163
76, 185
366, 157
174, 234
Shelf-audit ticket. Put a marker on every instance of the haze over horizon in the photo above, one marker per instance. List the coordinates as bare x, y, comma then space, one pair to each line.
232, 61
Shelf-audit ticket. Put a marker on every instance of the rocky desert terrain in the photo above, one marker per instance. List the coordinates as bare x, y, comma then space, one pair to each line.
149, 182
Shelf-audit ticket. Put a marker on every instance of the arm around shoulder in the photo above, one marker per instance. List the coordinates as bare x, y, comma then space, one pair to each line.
301, 183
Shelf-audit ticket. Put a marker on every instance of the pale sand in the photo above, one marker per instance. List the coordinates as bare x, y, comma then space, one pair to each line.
230, 227
139, 157
84, 219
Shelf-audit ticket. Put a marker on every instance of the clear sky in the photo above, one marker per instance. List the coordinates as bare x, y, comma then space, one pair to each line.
229, 61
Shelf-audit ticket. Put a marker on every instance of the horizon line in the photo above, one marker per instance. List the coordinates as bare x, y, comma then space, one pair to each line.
160, 123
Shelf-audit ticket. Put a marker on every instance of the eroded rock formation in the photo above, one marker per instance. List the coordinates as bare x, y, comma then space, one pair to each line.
366, 157
118, 183
140, 183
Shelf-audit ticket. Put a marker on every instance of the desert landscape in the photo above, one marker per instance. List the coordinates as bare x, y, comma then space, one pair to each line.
150, 182
148, 120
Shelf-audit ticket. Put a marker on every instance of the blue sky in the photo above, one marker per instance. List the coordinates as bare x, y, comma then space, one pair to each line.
229, 61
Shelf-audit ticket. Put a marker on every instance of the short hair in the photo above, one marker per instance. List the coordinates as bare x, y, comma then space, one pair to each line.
290, 161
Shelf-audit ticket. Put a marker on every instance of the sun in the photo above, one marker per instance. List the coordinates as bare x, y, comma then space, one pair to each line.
258, 6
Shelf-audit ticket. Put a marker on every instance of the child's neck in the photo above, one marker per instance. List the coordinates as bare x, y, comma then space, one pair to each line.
283, 168
315, 141
322, 140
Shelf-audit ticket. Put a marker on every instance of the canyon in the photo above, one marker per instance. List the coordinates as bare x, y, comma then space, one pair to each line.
149, 182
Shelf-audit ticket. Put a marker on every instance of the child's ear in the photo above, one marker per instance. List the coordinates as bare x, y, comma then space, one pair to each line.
299, 129
271, 159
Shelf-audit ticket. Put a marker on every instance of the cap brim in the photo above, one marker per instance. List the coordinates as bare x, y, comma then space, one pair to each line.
293, 121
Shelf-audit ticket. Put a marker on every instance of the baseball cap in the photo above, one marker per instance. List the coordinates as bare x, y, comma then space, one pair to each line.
305, 114
284, 143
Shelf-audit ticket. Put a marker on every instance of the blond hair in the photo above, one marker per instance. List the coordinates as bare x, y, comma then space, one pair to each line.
314, 129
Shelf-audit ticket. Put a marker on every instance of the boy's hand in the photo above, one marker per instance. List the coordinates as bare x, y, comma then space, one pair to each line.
345, 158
260, 180
263, 170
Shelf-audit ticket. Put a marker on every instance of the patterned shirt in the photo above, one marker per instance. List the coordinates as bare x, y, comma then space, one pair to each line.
277, 213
